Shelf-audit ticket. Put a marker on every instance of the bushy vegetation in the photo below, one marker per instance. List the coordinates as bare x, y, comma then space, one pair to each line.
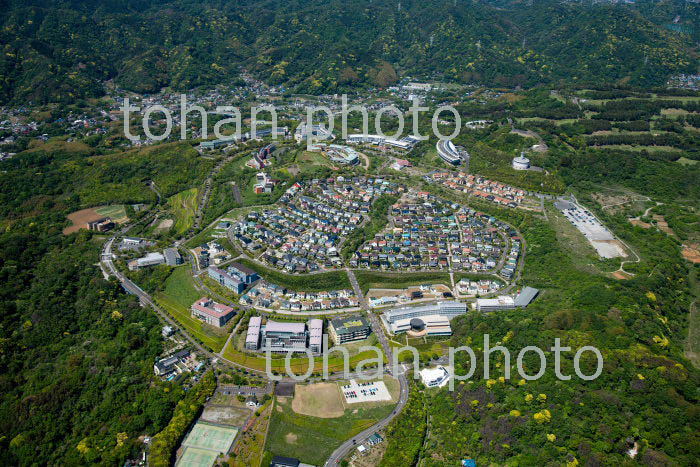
164, 444
315, 47
333, 280
639, 326
376, 222
76, 354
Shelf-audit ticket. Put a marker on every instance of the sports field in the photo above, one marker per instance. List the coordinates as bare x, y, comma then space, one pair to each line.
116, 212
210, 437
194, 457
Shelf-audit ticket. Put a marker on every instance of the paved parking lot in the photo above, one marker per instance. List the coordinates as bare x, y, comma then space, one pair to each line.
365, 392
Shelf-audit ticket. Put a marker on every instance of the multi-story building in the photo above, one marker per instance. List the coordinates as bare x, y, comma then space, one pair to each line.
435, 377
100, 225
316, 335
172, 256
227, 280
284, 337
353, 328
252, 339
450, 309
432, 319
207, 310
244, 274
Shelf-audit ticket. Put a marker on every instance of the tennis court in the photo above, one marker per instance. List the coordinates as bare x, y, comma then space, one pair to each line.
210, 437
195, 457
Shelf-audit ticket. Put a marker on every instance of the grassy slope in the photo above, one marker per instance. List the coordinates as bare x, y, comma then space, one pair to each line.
184, 206
333, 280
176, 299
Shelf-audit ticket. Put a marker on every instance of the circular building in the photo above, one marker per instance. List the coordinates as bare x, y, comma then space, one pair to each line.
417, 328
521, 162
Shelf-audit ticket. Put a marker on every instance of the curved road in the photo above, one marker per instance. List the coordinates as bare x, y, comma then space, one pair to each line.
347, 446
107, 265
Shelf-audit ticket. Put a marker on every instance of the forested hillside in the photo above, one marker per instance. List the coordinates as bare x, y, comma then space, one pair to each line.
57, 51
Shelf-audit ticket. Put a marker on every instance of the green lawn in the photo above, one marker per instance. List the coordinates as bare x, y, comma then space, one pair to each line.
115, 212
176, 299
312, 439
334, 280
184, 206
298, 365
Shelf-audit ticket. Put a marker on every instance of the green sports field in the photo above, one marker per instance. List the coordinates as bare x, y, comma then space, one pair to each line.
115, 212
195, 457
210, 437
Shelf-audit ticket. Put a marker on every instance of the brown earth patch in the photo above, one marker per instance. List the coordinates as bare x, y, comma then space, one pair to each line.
691, 252
621, 275
320, 400
639, 223
662, 224
80, 218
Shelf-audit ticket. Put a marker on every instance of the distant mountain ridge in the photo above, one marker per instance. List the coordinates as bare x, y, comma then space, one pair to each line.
63, 50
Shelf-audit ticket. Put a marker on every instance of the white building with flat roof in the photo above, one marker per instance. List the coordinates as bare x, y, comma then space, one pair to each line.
252, 338
432, 325
449, 309
435, 377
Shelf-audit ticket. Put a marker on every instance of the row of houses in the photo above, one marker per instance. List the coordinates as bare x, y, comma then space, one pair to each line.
302, 233
480, 287
271, 296
511, 261
476, 185
427, 233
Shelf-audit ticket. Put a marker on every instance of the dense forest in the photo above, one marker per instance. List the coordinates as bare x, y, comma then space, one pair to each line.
58, 51
647, 392
76, 355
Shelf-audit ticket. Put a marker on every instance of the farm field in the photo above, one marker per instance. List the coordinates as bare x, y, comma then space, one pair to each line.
79, 218
184, 207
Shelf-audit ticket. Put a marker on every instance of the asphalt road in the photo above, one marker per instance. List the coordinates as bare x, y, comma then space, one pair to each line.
347, 446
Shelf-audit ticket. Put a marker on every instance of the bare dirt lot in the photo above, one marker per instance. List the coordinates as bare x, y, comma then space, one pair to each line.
639, 223
663, 225
80, 218
165, 224
318, 400
691, 252
226, 415
621, 275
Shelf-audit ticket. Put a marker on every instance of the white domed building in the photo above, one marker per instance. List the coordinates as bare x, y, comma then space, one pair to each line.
521, 162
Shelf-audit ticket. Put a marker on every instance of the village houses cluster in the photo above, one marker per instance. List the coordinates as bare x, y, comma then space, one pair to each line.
303, 233
426, 232
267, 295
482, 187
